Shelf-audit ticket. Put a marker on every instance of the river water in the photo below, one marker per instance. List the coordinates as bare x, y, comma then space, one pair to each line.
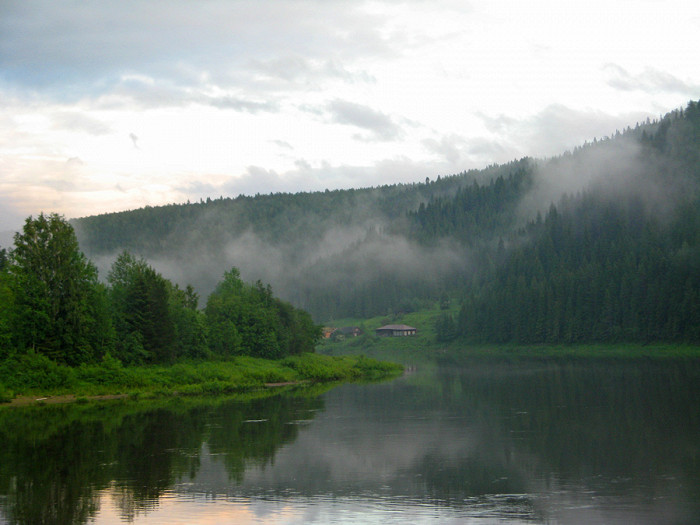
584, 442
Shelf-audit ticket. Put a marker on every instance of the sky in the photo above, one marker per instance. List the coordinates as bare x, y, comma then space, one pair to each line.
108, 106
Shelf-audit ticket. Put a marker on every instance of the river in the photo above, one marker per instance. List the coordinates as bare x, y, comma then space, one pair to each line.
583, 442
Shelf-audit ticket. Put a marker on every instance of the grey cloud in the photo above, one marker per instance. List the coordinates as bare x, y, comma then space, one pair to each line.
650, 80
239, 104
289, 68
457, 150
562, 128
92, 45
498, 123
459, 153
283, 144
450, 147
555, 129
297, 69
380, 125
147, 92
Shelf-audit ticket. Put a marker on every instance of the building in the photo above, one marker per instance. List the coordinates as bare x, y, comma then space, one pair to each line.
328, 331
350, 331
395, 330
338, 334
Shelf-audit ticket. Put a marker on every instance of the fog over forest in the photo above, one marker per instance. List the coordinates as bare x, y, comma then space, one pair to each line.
333, 243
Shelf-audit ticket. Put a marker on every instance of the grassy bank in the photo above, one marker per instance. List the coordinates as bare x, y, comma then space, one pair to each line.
35, 375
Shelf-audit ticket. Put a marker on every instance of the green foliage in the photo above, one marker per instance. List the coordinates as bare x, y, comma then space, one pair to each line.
248, 320
340, 368
5, 395
7, 300
475, 212
57, 309
109, 372
595, 271
188, 322
445, 328
141, 311
33, 372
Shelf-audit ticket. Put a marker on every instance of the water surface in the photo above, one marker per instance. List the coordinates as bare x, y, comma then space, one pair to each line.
586, 442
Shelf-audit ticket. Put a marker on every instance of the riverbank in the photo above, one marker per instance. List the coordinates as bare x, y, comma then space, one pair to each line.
31, 379
424, 348
416, 352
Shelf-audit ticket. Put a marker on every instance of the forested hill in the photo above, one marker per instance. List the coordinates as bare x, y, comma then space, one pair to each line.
336, 253
618, 262
601, 243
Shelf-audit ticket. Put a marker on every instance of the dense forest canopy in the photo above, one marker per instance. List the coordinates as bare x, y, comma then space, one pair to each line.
599, 244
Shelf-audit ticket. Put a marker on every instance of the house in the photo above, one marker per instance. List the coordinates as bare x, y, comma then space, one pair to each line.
338, 334
328, 331
350, 331
395, 330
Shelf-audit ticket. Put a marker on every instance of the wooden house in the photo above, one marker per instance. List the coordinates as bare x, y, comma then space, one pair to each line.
395, 330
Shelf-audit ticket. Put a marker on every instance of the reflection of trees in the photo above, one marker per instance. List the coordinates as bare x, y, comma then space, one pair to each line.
50, 477
253, 432
512, 428
153, 450
55, 460
628, 420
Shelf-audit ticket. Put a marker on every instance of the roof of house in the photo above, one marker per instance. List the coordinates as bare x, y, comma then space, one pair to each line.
396, 327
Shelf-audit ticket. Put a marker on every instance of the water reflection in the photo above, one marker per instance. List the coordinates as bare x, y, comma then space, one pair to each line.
55, 460
546, 443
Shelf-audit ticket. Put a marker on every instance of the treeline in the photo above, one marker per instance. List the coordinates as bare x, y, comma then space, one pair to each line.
610, 264
476, 212
596, 270
52, 303
278, 219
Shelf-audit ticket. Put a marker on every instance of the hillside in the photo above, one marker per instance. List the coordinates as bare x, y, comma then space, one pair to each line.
601, 243
335, 253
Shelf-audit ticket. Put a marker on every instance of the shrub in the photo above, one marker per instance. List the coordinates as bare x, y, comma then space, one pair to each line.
33, 371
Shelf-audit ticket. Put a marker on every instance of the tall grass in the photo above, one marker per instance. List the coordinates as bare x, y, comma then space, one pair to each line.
33, 374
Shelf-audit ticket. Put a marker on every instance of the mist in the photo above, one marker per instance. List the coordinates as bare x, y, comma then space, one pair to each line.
361, 252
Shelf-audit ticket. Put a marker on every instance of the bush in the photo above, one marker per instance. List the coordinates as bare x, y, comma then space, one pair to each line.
33, 371
109, 372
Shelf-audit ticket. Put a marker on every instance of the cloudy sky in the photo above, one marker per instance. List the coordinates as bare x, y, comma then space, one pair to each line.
112, 105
